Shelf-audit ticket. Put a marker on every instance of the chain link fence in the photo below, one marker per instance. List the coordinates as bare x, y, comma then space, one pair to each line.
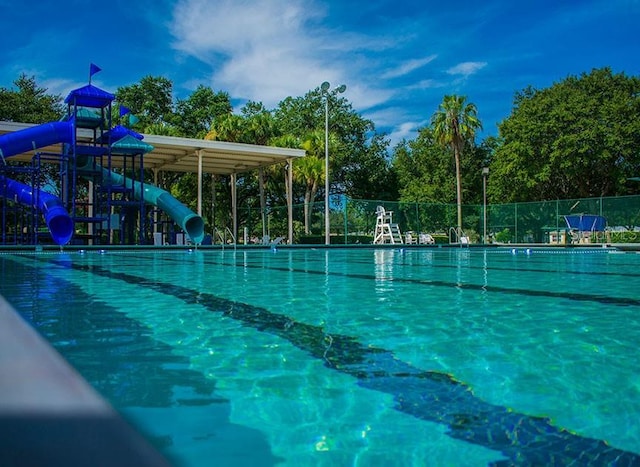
353, 221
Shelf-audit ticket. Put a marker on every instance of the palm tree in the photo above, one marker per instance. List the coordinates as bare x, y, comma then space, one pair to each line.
455, 123
227, 127
310, 170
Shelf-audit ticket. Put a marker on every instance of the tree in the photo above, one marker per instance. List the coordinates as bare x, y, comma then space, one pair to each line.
577, 138
424, 170
151, 100
29, 103
454, 124
195, 115
310, 170
227, 127
358, 160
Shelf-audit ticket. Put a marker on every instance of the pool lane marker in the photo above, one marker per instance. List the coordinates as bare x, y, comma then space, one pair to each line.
427, 395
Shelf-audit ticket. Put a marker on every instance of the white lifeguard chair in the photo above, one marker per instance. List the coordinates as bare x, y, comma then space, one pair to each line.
386, 230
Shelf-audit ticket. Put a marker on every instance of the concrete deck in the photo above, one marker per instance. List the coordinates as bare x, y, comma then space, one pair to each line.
49, 415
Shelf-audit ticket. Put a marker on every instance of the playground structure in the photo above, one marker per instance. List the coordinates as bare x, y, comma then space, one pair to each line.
98, 172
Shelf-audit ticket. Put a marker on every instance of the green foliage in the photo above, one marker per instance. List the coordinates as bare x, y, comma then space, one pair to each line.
425, 170
440, 239
623, 237
578, 138
358, 160
504, 236
29, 103
195, 114
151, 100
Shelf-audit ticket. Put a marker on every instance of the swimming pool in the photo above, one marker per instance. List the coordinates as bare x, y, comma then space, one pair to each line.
352, 357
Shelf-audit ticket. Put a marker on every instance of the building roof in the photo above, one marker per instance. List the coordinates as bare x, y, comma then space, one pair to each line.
174, 154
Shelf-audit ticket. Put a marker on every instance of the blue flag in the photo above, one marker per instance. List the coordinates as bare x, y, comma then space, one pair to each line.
124, 110
93, 69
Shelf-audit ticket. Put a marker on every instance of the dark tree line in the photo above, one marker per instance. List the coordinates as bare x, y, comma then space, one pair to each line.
579, 137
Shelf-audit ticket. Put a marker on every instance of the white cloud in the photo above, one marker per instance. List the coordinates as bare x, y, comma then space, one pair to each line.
426, 84
262, 50
408, 66
396, 123
266, 50
406, 130
466, 68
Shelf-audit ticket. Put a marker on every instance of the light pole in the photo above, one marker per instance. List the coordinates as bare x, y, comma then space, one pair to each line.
485, 174
324, 88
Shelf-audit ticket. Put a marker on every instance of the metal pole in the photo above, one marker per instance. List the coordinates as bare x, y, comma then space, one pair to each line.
327, 237
484, 208
485, 173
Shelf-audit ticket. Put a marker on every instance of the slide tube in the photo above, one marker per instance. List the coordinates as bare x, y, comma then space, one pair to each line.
190, 222
35, 137
55, 215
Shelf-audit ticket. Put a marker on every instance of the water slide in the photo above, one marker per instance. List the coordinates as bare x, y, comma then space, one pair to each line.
191, 223
55, 215
51, 133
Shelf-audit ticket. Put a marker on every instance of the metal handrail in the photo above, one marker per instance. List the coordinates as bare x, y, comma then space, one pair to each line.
458, 234
223, 236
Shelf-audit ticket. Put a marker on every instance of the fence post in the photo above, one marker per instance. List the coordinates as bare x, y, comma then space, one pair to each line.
516, 221
345, 198
601, 206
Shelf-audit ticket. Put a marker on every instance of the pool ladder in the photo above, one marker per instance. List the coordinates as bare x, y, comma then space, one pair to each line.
458, 237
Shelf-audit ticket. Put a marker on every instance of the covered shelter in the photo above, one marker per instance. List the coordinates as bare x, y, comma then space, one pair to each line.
188, 155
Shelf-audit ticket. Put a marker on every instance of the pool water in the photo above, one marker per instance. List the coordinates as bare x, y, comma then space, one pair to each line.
352, 357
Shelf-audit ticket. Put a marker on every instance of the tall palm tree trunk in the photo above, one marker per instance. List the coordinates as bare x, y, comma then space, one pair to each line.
458, 189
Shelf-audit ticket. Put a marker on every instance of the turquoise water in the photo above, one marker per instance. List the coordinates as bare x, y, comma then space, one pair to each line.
352, 357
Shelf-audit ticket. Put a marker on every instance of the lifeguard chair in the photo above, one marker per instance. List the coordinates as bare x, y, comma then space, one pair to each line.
387, 232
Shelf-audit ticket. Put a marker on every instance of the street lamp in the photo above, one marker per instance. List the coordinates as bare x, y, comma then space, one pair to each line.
485, 174
324, 88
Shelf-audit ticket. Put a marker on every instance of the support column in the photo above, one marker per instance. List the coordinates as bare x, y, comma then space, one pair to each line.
289, 181
263, 203
213, 206
155, 211
199, 182
234, 205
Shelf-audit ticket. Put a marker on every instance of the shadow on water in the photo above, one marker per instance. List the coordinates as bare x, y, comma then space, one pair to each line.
151, 386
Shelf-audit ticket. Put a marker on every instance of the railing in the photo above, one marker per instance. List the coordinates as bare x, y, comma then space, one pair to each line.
222, 235
458, 237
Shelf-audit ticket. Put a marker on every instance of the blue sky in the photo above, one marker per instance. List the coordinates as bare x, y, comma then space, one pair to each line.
397, 58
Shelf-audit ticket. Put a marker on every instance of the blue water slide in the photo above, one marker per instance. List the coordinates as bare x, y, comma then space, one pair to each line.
51, 133
55, 215
35, 137
190, 222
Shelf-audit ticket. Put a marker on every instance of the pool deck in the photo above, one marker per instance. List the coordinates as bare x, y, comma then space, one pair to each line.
49, 415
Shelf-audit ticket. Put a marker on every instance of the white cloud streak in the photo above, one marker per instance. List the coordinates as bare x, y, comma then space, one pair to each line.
466, 68
408, 66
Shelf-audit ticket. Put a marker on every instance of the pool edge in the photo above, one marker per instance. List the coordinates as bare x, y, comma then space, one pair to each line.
49, 415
